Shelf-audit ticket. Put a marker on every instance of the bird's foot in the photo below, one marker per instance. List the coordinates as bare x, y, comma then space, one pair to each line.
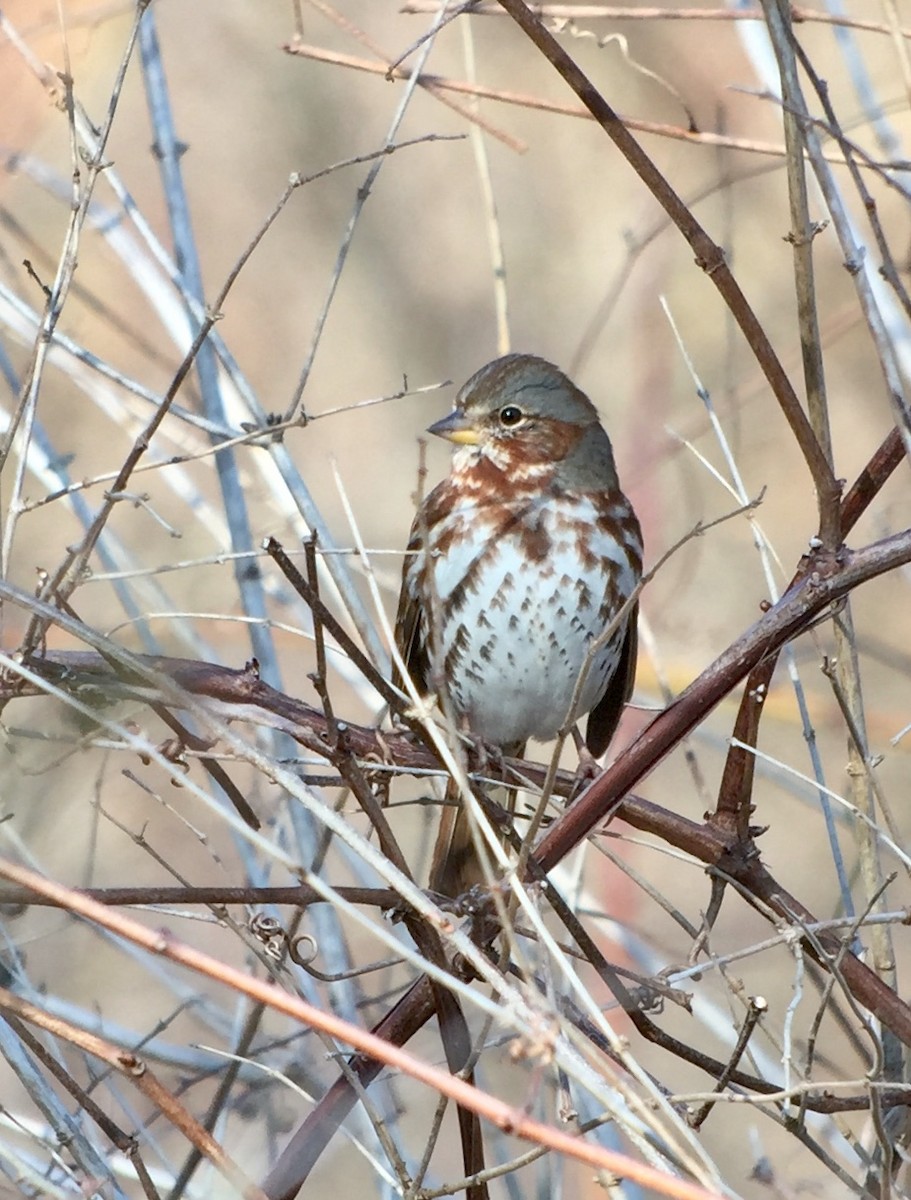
587, 769
484, 758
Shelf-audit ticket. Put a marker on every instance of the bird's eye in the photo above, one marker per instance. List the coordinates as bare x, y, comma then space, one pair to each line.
510, 416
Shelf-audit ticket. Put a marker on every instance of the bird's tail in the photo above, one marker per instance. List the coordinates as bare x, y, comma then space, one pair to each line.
455, 867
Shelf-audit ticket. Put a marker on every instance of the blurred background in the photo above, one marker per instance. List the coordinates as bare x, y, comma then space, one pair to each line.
360, 298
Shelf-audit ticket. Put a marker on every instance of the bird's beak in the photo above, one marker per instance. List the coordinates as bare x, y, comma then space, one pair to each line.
456, 428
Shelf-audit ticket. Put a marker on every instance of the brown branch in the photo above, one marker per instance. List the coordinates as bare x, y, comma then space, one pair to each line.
505, 1116
385, 66
324, 618
527, 100
136, 1072
242, 695
649, 12
735, 793
871, 480
823, 580
126, 1143
709, 257
454, 1032
298, 1158
299, 895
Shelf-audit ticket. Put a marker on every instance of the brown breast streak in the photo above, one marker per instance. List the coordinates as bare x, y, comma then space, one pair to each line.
481, 487
500, 507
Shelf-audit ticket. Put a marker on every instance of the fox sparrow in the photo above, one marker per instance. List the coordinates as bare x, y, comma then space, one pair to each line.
517, 562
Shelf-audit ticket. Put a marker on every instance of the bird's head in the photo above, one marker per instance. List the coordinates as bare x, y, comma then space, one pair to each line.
523, 415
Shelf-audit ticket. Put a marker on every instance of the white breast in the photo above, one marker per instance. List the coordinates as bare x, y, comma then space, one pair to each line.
514, 644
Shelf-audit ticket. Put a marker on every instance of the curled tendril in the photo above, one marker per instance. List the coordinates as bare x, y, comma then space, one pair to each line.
294, 950
272, 934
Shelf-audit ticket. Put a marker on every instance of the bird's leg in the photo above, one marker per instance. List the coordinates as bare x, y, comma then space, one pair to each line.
490, 759
588, 767
487, 758
483, 754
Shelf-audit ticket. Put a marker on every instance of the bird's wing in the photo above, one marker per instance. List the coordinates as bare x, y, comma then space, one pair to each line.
409, 636
605, 716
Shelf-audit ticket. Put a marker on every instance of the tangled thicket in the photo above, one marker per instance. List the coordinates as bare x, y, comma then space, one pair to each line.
220, 968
